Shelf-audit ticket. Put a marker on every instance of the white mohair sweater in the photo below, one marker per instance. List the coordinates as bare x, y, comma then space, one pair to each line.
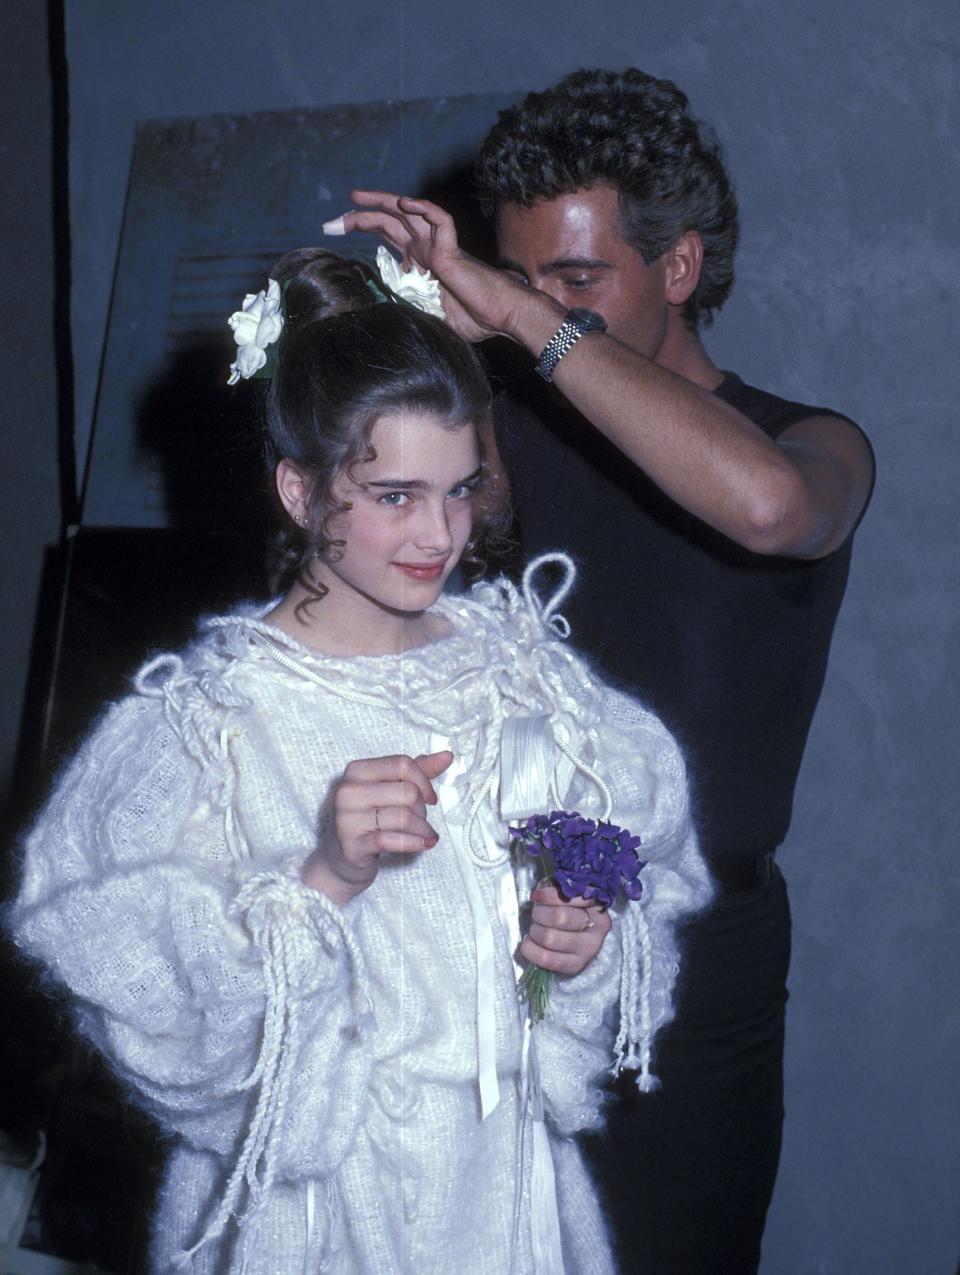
317, 1068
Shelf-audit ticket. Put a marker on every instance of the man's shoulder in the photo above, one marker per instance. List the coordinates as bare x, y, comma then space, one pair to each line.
770, 412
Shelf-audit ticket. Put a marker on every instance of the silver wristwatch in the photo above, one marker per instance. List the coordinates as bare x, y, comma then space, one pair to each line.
574, 325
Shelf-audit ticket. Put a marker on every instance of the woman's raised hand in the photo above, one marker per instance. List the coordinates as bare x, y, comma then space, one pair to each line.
565, 934
478, 300
380, 804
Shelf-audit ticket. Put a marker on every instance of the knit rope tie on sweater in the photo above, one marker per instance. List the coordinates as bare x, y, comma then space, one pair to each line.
633, 1048
193, 706
281, 922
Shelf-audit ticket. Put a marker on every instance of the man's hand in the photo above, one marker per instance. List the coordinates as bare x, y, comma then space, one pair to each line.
478, 300
799, 496
565, 934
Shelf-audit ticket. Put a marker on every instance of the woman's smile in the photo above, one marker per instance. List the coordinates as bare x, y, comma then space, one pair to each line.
422, 570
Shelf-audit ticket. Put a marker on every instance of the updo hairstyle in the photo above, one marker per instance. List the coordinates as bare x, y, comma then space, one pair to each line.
344, 360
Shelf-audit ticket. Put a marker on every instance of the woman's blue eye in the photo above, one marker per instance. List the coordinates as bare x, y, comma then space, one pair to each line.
394, 499
462, 491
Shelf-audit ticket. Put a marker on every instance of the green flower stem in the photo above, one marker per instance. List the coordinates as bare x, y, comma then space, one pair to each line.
535, 983
535, 990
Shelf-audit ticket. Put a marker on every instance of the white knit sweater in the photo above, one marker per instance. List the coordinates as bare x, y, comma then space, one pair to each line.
317, 1067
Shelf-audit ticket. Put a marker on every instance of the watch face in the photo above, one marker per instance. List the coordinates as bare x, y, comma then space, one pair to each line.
588, 320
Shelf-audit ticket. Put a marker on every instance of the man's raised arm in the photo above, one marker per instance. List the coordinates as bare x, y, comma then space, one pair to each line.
798, 496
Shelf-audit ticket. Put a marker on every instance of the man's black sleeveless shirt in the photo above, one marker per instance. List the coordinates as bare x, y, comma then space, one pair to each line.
728, 647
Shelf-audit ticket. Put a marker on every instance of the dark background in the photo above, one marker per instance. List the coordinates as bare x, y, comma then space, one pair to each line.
840, 122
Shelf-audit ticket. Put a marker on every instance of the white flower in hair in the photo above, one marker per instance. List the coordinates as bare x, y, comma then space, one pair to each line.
417, 287
256, 326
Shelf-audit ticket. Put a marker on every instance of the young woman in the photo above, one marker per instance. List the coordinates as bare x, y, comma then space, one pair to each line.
277, 878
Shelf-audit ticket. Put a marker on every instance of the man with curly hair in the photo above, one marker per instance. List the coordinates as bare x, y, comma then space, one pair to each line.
712, 524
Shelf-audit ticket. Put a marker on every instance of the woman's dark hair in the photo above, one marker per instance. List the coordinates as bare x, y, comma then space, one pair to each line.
344, 360
632, 132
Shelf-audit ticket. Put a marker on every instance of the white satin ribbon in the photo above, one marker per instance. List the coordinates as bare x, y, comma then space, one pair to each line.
528, 764
311, 1224
529, 767
544, 1213
449, 799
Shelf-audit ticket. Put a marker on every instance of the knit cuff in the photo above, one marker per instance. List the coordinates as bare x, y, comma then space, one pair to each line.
277, 906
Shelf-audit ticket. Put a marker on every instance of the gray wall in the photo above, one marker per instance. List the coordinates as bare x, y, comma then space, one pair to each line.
29, 498
840, 122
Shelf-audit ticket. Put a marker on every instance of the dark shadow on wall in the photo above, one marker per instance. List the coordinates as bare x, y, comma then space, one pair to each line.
112, 596
123, 594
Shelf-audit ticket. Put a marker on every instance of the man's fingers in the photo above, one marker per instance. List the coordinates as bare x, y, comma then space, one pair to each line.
394, 230
387, 218
393, 208
400, 220
442, 226
401, 205
385, 199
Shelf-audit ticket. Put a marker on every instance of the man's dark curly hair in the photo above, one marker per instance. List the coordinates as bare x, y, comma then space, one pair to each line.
635, 133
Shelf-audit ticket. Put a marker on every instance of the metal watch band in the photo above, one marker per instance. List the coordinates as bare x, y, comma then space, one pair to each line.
573, 327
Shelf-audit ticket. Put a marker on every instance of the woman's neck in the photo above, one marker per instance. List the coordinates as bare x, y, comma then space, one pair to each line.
325, 625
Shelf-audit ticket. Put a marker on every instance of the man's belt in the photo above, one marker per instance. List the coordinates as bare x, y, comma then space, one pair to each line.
745, 873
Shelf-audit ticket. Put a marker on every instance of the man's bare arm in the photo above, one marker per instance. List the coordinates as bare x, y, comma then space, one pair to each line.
800, 496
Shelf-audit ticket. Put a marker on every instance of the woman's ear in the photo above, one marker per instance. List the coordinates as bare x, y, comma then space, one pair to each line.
684, 262
293, 487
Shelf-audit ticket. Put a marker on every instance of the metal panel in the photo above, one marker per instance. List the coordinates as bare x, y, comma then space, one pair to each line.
211, 203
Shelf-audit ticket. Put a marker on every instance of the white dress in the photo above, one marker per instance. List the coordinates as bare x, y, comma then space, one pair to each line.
319, 1070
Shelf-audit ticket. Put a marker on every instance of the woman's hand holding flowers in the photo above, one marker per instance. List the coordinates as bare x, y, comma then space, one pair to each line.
592, 862
380, 804
565, 934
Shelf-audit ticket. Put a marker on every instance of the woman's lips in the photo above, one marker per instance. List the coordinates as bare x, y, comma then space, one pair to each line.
421, 570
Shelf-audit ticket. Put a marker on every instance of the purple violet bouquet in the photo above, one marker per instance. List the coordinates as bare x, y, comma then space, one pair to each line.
585, 858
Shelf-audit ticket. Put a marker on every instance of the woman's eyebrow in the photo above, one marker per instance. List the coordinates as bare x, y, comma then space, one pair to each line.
418, 484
